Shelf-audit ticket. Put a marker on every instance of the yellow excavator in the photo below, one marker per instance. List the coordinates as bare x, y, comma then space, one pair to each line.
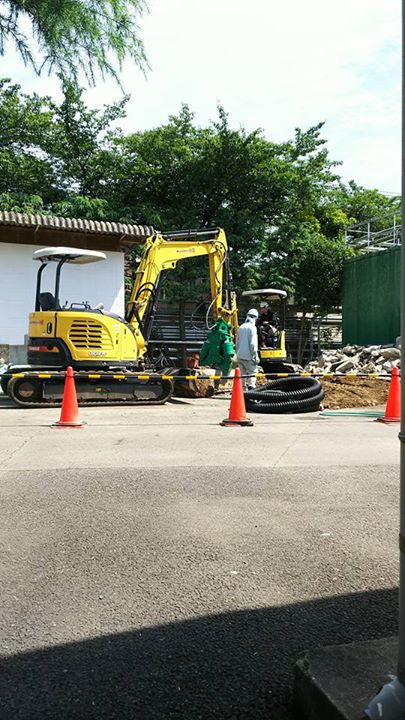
272, 334
107, 351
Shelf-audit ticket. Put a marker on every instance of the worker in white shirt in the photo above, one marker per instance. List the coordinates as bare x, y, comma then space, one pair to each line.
246, 349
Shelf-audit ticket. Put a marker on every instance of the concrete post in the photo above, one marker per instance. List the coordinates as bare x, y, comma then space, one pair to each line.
401, 658
389, 704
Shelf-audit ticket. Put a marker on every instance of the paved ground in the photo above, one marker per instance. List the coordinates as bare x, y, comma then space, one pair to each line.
156, 565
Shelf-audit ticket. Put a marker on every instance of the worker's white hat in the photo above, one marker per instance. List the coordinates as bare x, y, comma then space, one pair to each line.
264, 304
253, 313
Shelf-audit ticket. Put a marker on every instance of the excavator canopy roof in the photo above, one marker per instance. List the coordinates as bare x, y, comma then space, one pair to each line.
71, 255
266, 292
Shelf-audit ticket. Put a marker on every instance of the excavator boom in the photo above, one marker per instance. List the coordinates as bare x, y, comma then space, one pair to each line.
163, 252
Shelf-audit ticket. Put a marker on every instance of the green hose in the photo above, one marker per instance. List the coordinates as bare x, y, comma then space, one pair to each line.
361, 413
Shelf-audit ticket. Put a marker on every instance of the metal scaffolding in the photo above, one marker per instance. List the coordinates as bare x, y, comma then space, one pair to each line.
376, 233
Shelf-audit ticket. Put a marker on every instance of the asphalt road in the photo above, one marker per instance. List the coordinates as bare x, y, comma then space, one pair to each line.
184, 592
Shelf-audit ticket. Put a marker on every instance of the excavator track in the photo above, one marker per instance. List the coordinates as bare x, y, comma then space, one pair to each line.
36, 390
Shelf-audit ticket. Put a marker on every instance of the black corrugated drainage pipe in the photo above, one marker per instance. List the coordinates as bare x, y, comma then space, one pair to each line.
288, 395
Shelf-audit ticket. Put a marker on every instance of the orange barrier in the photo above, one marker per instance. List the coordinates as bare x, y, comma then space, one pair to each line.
237, 410
69, 414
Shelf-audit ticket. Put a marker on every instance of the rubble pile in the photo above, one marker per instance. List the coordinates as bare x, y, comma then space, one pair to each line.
357, 359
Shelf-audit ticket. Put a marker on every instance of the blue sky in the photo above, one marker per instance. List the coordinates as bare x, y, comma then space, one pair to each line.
274, 65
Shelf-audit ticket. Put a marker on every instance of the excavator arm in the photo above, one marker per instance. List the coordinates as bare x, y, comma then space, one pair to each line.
163, 252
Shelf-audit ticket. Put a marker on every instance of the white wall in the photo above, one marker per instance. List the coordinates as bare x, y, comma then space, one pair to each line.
98, 282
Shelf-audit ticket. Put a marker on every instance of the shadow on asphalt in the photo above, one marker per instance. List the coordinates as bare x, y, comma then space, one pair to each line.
233, 666
6, 403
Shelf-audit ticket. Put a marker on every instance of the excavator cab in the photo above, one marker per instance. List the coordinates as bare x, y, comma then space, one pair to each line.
75, 333
45, 301
271, 327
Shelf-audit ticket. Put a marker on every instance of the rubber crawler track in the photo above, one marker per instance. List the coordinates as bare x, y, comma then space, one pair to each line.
166, 384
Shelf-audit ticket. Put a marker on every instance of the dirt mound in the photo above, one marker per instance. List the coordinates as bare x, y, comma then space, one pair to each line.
354, 392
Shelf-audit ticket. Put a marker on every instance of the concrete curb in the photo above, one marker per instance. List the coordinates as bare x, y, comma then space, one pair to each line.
338, 682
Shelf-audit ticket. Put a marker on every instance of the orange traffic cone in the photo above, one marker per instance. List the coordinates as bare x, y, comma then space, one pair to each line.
69, 414
393, 407
237, 410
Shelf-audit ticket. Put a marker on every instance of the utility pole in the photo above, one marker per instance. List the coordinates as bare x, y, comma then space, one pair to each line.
389, 704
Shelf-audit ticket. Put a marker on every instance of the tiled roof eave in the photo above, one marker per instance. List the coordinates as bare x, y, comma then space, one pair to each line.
50, 222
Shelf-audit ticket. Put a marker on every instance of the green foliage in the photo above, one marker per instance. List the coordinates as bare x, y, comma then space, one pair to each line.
326, 338
318, 270
24, 122
79, 142
361, 204
61, 152
307, 264
180, 175
282, 205
74, 36
79, 206
352, 203
23, 203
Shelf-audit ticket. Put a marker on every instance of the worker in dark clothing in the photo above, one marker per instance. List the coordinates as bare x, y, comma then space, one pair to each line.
267, 326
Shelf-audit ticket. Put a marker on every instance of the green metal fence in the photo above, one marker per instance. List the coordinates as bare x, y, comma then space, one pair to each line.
371, 298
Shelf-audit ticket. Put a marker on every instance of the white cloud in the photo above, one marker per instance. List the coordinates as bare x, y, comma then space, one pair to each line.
272, 65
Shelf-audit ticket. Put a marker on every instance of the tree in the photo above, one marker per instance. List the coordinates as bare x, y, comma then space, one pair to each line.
310, 266
283, 205
25, 168
181, 175
59, 154
80, 143
318, 271
75, 36
319, 278
361, 204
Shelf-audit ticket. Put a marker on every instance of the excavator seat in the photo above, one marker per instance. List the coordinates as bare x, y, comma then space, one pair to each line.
47, 301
